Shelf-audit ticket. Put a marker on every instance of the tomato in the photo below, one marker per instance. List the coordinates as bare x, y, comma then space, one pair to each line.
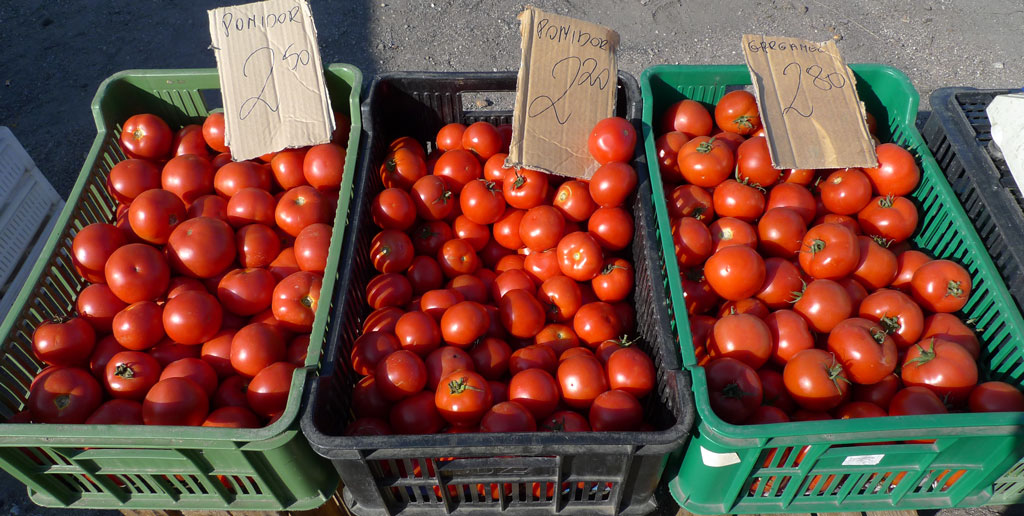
565, 421
154, 214
458, 168
580, 256
691, 201
400, 375
735, 272
913, 401
217, 353
774, 388
282, 266
753, 163
367, 401
65, 342
612, 184
456, 257
463, 397
766, 414
877, 267
612, 228
581, 379
130, 374
201, 247
996, 397
631, 370
879, 393
323, 166
612, 139
866, 352
687, 116
794, 197
256, 245
390, 250
482, 139
445, 360
251, 206
734, 389
942, 366
561, 297
450, 136
286, 167
615, 411
558, 337
693, 244
139, 326
435, 302
781, 232
255, 347
782, 279
667, 148
615, 282
892, 218
728, 231
246, 291
237, 175
744, 337
312, 246
129, 178
737, 112
506, 230
941, 286
896, 313
232, 417
750, 305
300, 207
177, 402
491, 357
508, 416
705, 162
416, 414
189, 177
949, 327
533, 356
194, 369
295, 300
463, 323
424, 274
388, 289
267, 393
845, 191
541, 228
146, 136
416, 332
167, 351
816, 380
829, 251
494, 167
524, 188
824, 303
510, 279
98, 306
907, 264
192, 317
117, 412
541, 266
789, 335
859, 409
101, 353
213, 131
63, 395
897, 172
596, 322
231, 392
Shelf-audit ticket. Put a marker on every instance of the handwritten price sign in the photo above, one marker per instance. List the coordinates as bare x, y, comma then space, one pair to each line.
566, 85
272, 81
808, 100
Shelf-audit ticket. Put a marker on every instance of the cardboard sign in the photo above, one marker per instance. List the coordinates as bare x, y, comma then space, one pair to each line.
271, 78
567, 81
808, 100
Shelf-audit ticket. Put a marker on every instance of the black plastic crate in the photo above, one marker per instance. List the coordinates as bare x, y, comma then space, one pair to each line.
959, 134
565, 473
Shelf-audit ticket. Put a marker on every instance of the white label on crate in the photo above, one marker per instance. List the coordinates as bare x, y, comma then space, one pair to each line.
272, 82
718, 460
863, 460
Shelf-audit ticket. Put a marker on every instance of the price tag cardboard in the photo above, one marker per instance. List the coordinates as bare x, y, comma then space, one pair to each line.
271, 78
808, 100
567, 81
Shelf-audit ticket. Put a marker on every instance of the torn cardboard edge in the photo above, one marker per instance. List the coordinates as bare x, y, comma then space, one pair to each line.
272, 82
787, 94
567, 82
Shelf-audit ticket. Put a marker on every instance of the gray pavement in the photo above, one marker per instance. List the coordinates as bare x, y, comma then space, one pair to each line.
56, 53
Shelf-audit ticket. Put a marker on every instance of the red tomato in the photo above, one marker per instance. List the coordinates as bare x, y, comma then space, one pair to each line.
774, 388
782, 278
705, 162
667, 148
612, 228
615, 282
213, 131
388, 289
286, 167
631, 370
458, 167
251, 206
192, 317
829, 251
615, 411
416, 332
879, 393
580, 256
561, 297
866, 352
859, 409
482, 202
131, 177
201, 247
845, 191
728, 231
913, 401
941, 286
612, 139
558, 337
735, 272
892, 218
737, 112
194, 369
300, 207
693, 244
323, 166
510, 279
734, 389
62, 395
117, 412
268, 391
542, 266
246, 291
781, 232
996, 397
463, 397
541, 228
506, 230
367, 401
877, 266
582, 379
565, 421
312, 246
255, 347
101, 353
217, 353
508, 416
597, 322
907, 264
189, 177
295, 300
428, 237
212, 206
816, 380
687, 116
482, 139
491, 357
754, 164
256, 245
533, 357
457, 257
612, 184
154, 214
237, 175
794, 197
66, 342
443, 361
494, 167
691, 201
741, 336
403, 167
897, 172
800, 176
789, 335
146, 136
766, 414
400, 375
130, 374
463, 323
824, 303
942, 366
232, 417
416, 414
139, 326
231, 392
424, 274
897, 314
450, 136
524, 188
284, 265
176, 402
949, 327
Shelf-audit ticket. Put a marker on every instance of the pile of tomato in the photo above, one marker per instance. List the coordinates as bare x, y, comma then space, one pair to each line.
805, 299
502, 299
200, 296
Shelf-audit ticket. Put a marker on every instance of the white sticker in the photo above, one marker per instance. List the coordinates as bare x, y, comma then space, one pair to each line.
863, 460
718, 460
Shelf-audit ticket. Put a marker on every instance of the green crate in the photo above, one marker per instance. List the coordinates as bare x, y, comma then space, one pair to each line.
121, 467
849, 464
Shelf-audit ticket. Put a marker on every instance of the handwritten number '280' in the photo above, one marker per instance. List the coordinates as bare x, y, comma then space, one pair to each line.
833, 80
301, 57
584, 73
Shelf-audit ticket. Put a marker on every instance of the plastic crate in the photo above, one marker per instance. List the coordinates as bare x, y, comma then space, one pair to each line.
103, 466
847, 465
586, 473
28, 210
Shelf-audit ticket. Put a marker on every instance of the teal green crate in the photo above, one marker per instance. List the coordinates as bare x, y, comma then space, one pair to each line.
149, 467
852, 465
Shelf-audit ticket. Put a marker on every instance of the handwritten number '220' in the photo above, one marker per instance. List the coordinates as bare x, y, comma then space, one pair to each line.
301, 57
826, 83
584, 73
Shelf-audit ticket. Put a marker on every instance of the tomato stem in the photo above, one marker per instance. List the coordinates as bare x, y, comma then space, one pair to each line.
890, 323
519, 181
611, 267
925, 356
705, 147
887, 201
446, 194
835, 373
62, 401
954, 289
798, 294
733, 390
878, 334
882, 241
461, 385
816, 246
124, 371
744, 122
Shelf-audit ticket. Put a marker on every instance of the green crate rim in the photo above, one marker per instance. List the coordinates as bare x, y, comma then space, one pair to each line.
783, 433
267, 437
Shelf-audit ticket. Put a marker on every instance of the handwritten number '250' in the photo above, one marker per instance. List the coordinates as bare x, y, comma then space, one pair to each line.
301, 57
581, 72
833, 80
